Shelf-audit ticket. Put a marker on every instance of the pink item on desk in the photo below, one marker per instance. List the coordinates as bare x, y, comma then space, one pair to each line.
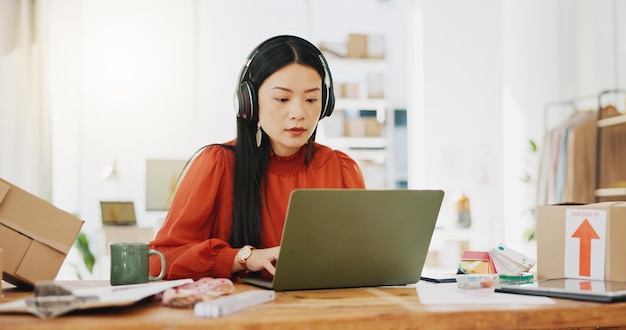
204, 289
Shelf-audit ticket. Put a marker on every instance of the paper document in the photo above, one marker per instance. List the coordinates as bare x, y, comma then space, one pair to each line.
86, 295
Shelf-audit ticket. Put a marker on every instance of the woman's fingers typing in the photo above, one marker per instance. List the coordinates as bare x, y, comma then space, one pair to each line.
263, 259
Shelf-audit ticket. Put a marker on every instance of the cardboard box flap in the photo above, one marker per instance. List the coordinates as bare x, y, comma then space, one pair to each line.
39, 264
606, 205
60, 238
566, 204
37, 219
15, 245
587, 205
4, 189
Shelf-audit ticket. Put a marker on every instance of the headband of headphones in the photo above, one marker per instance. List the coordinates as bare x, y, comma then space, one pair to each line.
245, 98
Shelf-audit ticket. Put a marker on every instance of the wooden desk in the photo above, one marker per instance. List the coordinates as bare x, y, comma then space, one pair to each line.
361, 308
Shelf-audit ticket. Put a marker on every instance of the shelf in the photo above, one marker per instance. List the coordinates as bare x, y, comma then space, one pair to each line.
361, 104
372, 64
612, 121
378, 156
357, 142
360, 148
610, 192
355, 133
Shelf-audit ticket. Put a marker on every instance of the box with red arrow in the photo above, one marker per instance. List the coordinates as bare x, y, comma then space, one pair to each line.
585, 241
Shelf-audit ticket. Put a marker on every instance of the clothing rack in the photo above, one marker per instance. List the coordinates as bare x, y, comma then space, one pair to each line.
573, 104
602, 122
560, 185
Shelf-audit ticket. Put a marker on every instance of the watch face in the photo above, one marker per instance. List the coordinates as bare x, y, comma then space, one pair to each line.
244, 253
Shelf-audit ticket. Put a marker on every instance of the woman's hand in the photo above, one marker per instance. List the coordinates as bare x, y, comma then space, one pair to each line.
260, 259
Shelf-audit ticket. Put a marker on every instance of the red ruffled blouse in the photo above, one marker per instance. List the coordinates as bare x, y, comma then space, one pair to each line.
195, 234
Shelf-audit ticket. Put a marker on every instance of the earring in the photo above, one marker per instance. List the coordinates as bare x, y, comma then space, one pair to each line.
258, 136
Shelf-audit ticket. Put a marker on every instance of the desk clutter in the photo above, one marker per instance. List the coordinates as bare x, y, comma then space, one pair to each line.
487, 269
56, 298
208, 297
499, 260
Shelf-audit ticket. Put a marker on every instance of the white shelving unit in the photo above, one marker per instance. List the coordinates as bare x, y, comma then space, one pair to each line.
373, 152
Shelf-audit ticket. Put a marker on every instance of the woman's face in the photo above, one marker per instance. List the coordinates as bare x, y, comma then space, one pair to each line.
290, 103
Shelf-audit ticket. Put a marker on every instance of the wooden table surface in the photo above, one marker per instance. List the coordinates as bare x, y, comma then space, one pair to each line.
358, 308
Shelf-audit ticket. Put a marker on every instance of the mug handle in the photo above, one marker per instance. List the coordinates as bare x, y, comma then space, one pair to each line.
162, 273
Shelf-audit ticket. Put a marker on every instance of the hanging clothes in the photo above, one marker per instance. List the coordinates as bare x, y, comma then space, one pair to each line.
567, 170
579, 173
554, 159
565, 153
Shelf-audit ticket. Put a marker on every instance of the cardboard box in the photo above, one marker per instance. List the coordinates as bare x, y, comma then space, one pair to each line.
357, 46
35, 235
582, 241
366, 46
349, 90
373, 128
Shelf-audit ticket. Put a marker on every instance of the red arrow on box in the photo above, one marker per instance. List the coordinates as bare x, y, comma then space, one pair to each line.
585, 233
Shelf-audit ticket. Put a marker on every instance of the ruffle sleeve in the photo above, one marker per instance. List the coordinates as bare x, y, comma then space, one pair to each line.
351, 173
335, 169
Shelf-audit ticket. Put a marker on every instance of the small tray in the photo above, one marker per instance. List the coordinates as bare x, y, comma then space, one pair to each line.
477, 281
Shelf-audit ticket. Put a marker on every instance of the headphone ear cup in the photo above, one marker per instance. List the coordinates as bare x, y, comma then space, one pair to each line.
245, 100
328, 101
331, 101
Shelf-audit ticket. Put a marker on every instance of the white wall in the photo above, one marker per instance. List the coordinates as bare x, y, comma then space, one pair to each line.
482, 74
226, 32
125, 83
64, 83
460, 114
532, 69
154, 79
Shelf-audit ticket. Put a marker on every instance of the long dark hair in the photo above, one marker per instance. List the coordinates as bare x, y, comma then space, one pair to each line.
251, 161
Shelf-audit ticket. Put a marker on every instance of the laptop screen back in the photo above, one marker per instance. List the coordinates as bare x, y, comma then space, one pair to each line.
118, 213
353, 237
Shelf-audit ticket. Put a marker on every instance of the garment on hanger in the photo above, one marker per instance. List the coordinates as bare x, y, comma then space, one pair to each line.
554, 159
579, 174
567, 171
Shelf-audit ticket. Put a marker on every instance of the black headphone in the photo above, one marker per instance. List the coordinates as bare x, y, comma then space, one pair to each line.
245, 96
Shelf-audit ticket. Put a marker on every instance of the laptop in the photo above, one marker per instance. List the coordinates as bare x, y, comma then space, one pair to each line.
570, 288
341, 238
118, 213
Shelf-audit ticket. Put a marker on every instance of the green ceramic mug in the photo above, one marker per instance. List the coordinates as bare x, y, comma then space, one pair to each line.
129, 263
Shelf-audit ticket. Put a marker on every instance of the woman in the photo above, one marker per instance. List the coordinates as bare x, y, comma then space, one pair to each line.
229, 211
